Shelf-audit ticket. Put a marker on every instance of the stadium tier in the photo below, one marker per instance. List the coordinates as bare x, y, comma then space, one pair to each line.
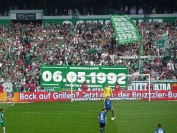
93, 72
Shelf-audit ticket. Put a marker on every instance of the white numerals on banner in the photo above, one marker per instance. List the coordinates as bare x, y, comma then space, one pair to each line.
101, 78
57, 77
71, 77
112, 78
127, 35
134, 36
121, 79
80, 77
47, 76
122, 36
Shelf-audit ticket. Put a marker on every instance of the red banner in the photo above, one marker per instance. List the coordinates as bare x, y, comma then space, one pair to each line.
89, 95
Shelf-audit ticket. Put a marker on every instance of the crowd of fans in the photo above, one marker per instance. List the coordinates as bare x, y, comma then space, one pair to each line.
54, 8
24, 47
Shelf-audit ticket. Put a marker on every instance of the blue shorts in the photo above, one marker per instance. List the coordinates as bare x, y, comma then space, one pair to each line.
102, 125
108, 109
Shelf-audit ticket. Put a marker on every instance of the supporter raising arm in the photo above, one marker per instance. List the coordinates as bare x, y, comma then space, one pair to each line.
84, 89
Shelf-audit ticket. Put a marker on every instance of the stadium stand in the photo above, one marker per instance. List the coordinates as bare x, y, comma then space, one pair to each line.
60, 8
24, 47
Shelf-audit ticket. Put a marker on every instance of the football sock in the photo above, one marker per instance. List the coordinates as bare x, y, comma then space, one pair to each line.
112, 113
4, 129
102, 130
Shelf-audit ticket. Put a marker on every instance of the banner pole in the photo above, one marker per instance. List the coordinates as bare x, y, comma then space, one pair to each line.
174, 58
140, 49
149, 89
71, 88
158, 50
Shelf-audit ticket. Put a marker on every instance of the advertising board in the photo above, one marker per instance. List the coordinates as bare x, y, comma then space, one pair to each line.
31, 16
89, 95
21, 16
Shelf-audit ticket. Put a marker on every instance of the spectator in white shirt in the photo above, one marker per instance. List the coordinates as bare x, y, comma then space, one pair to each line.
140, 11
92, 63
170, 66
119, 60
70, 12
137, 72
126, 9
1, 79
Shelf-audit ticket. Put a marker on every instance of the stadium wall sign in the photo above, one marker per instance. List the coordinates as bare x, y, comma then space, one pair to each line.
25, 14
92, 18
95, 76
156, 85
89, 95
106, 18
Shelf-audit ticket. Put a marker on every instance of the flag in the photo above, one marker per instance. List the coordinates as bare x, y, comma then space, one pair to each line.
175, 59
167, 57
161, 42
167, 53
125, 29
92, 51
140, 52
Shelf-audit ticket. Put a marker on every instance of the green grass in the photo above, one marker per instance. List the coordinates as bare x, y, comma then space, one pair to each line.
81, 117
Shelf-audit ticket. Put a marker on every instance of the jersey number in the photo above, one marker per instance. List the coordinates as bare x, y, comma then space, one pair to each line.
101, 117
160, 131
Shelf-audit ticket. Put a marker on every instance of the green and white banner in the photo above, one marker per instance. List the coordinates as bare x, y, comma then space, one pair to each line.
125, 29
157, 85
95, 76
161, 42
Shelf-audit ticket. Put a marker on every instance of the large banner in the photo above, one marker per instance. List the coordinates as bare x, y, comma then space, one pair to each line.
89, 95
125, 29
95, 76
161, 42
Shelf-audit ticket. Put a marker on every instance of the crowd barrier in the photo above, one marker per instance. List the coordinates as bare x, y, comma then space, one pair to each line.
157, 85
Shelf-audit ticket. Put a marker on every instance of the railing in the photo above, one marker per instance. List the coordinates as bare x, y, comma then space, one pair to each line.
133, 85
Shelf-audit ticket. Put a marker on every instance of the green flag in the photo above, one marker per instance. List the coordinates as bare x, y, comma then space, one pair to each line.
140, 52
167, 57
125, 29
92, 51
161, 42
175, 59
167, 53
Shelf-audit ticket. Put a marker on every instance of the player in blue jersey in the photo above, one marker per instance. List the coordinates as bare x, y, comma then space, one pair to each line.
102, 119
108, 106
159, 129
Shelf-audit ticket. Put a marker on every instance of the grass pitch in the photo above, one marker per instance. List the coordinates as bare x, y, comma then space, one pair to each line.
81, 117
